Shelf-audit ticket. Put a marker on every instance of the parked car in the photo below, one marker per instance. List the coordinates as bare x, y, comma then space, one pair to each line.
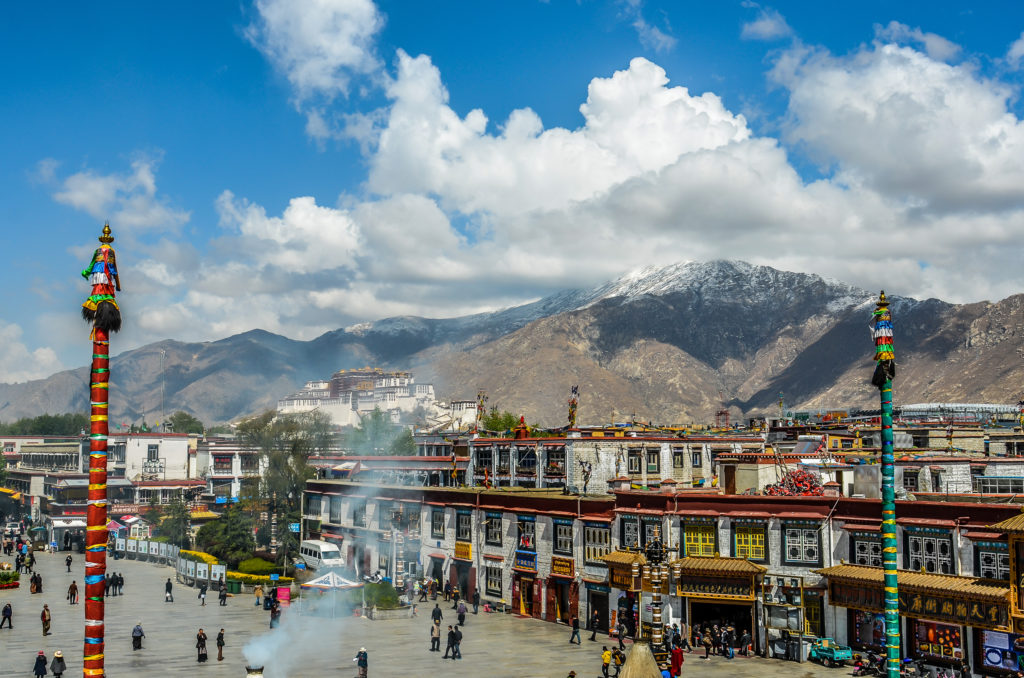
12, 529
829, 652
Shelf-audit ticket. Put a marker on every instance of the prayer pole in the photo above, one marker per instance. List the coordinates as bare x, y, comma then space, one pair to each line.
102, 311
885, 371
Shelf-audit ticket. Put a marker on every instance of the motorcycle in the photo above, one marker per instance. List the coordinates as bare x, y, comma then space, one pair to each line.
914, 668
868, 666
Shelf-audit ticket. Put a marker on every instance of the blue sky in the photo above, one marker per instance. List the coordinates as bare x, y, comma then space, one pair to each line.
303, 166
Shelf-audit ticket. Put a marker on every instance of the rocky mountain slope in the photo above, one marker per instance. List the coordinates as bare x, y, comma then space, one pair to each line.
659, 344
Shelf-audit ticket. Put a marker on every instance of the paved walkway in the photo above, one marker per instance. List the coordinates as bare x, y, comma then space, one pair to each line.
495, 645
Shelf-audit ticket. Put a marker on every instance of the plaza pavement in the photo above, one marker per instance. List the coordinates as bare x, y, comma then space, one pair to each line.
494, 646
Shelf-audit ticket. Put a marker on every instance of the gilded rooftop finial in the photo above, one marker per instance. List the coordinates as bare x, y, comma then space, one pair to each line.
106, 238
882, 301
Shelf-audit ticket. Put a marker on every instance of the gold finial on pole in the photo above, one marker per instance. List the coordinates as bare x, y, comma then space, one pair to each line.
106, 238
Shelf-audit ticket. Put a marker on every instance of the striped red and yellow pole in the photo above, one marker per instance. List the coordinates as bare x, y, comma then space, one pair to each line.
96, 516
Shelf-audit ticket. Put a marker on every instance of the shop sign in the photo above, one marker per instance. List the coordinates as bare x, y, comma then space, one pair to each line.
526, 561
924, 606
1001, 651
939, 641
715, 587
562, 566
622, 578
600, 588
463, 550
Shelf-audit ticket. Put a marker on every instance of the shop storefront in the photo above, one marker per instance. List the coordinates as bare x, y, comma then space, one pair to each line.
941, 615
719, 591
562, 591
625, 588
998, 653
462, 573
526, 594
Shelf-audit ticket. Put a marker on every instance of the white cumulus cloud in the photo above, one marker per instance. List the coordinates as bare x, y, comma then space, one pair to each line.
19, 363
769, 25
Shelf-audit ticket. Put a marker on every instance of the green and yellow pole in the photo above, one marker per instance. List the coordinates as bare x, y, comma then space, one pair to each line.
885, 371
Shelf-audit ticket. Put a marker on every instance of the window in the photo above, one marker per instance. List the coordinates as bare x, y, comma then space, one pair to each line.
464, 527
526, 537
493, 531
492, 583
629, 537
932, 551
483, 458
801, 545
696, 458
382, 558
220, 464
634, 461
866, 550
313, 505
936, 481
597, 542
437, 524
699, 540
250, 463
749, 542
993, 561
153, 453
652, 531
998, 485
359, 515
563, 538
384, 515
812, 617
678, 457
653, 461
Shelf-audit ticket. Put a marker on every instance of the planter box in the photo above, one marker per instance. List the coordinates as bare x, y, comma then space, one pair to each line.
12, 585
382, 615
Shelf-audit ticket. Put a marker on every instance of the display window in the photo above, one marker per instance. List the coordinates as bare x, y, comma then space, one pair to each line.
998, 653
932, 640
868, 630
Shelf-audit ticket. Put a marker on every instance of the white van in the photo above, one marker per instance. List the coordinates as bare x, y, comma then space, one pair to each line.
320, 554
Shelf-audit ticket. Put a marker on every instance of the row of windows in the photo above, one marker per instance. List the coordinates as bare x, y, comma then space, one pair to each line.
637, 458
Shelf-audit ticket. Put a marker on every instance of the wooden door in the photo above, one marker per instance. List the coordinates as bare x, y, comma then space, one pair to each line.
551, 613
538, 597
574, 599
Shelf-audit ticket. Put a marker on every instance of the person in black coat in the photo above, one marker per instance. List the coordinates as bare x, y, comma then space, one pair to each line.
595, 619
436, 614
476, 600
450, 647
40, 668
201, 646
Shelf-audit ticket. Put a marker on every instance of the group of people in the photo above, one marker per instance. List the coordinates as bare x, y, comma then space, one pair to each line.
722, 640
201, 646
35, 583
25, 560
453, 647
57, 666
113, 584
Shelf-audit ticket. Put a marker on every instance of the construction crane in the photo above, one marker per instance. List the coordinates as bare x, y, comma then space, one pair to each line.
722, 415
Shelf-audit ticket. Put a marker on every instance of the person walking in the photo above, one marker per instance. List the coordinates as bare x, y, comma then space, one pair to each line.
220, 646
450, 647
257, 592
67, 562
575, 622
168, 591
745, 643
620, 632
595, 619
57, 666
677, 661
201, 646
436, 614
457, 654
73, 593
362, 662
39, 583
618, 659
6, 616
455, 597
435, 637
223, 596
120, 583
40, 668
447, 591
45, 617
202, 593
705, 640
423, 591
606, 659
462, 613
476, 601
106, 584
137, 635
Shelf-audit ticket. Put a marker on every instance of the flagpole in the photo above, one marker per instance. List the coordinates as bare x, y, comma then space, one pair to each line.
885, 371
102, 311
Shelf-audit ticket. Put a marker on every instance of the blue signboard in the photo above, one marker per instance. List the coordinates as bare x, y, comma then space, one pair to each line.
275, 577
220, 500
294, 527
526, 560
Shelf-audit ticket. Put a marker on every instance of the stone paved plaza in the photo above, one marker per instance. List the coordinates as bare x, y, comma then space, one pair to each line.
495, 645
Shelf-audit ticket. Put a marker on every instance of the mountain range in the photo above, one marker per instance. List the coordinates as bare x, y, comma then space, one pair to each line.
667, 344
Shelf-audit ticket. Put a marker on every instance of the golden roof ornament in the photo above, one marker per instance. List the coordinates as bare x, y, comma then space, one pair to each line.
882, 301
106, 238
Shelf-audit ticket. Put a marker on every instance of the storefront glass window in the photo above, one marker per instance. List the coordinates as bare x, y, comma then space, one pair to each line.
699, 540
492, 583
597, 542
749, 541
935, 640
867, 630
801, 545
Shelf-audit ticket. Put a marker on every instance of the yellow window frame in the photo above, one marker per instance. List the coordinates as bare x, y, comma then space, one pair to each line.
750, 542
699, 540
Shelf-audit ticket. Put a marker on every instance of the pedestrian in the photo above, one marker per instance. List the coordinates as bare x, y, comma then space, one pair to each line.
362, 662
73, 592
575, 630
706, 642
447, 591
665, 673
606, 659
745, 643
201, 646
423, 590
57, 666
684, 637
476, 600
462, 613
257, 592
220, 646
137, 635
168, 591
677, 661
32, 588
455, 597
223, 596
202, 593
436, 614
450, 647
40, 668
120, 583
620, 632
595, 619
6, 616
275, 615
435, 637
618, 659
67, 561
45, 617
433, 589
106, 584
458, 644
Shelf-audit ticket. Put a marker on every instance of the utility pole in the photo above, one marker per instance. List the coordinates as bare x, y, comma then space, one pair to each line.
885, 371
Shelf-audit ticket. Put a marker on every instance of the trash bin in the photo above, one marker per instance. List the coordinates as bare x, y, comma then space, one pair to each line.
234, 587
268, 602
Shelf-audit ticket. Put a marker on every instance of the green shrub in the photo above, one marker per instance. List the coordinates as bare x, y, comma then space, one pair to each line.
258, 566
8, 577
382, 595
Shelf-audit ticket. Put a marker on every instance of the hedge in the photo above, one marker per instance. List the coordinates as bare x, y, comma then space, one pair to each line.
8, 577
198, 556
257, 566
256, 578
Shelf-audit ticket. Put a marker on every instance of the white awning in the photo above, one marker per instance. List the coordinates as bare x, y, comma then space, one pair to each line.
67, 522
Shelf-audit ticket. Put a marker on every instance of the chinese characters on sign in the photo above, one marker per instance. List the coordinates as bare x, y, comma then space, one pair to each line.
926, 605
716, 587
464, 550
562, 566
